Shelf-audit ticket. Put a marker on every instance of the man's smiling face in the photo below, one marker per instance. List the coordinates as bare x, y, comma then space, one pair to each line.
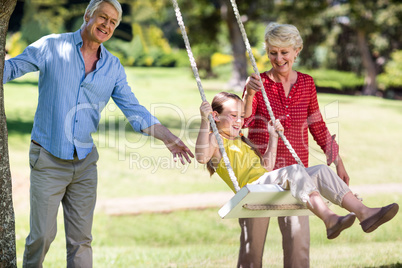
102, 24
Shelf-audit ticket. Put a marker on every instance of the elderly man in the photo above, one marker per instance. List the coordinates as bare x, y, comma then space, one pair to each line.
77, 76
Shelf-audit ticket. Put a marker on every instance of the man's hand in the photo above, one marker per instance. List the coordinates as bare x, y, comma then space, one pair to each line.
173, 143
179, 150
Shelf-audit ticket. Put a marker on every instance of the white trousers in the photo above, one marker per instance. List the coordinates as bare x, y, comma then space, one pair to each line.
303, 181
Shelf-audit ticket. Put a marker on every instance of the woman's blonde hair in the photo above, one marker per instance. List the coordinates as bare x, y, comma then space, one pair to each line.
282, 35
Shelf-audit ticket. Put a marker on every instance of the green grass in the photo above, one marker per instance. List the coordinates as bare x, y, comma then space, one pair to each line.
368, 130
202, 239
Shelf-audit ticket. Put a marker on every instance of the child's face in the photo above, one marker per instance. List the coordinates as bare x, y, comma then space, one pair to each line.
230, 121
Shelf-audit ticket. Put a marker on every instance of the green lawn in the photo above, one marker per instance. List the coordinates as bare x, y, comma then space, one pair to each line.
368, 130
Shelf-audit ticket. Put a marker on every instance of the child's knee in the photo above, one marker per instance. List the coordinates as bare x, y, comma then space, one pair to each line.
298, 168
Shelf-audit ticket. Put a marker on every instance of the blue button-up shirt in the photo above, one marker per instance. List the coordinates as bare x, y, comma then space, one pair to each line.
70, 103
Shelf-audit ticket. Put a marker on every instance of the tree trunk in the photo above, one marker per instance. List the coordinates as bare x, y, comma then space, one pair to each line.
239, 72
7, 220
370, 83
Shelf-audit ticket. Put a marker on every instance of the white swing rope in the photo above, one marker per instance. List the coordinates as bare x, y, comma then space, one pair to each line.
201, 90
264, 94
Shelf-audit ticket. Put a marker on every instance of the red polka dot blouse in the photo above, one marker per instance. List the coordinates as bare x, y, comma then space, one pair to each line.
297, 112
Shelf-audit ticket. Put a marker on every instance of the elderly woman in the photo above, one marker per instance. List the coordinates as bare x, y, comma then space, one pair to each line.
293, 98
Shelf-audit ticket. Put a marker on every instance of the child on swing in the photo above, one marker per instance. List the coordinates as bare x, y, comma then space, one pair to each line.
305, 184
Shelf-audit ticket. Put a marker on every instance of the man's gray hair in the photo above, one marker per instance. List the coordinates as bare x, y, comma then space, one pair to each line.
94, 5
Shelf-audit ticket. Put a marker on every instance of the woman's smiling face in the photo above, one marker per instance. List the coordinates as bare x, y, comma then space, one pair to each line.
282, 58
230, 121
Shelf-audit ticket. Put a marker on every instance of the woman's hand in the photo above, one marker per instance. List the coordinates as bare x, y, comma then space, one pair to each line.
273, 129
341, 171
253, 85
205, 110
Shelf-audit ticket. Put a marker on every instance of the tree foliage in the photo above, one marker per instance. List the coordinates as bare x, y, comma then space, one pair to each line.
353, 35
346, 35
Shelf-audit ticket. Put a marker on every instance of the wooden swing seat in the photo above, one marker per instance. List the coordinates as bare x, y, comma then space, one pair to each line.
262, 200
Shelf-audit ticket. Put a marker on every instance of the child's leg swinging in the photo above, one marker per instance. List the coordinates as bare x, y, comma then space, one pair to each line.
335, 224
321, 210
370, 218
306, 185
304, 188
335, 190
328, 183
352, 204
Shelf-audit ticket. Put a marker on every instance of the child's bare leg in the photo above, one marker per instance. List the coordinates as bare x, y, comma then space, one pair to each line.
335, 224
370, 218
352, 204
321, 210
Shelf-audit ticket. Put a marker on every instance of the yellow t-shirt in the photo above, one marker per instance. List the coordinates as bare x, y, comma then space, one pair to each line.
245, 163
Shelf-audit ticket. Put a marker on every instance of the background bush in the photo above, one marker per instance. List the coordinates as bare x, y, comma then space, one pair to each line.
392, 76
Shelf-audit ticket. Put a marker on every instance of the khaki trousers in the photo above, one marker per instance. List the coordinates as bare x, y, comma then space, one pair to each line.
72, 183
295, 241
295, 230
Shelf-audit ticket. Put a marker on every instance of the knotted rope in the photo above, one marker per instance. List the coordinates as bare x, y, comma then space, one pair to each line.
274, 207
